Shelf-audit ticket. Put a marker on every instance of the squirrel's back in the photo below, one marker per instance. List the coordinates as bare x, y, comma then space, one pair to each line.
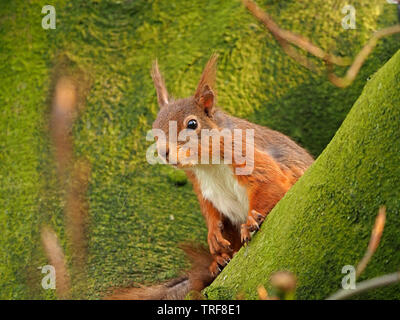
277, 145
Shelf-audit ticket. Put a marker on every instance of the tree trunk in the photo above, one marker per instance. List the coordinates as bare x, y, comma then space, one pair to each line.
325, 221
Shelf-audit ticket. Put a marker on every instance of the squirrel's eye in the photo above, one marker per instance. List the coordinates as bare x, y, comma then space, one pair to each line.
192, 124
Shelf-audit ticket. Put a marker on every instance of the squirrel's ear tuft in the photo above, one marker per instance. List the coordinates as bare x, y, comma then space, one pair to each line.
204, 92
159, 84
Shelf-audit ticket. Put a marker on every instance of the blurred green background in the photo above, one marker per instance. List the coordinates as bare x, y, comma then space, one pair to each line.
137, 212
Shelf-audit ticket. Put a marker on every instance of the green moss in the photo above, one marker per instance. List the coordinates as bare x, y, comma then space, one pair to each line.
178, 177
24, 82
325, 220
132, 236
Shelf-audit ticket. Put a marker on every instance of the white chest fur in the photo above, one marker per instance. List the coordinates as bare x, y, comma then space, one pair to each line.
219, 186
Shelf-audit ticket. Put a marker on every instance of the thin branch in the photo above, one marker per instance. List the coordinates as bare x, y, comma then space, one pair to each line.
367, 285
55, 255
73, 174
62, 117
76, 216
262, 293
64, 111
290, 37
372, 246
287, 38
374, 241
360, 58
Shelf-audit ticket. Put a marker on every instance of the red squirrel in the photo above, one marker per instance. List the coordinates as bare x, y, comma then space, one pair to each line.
233, 205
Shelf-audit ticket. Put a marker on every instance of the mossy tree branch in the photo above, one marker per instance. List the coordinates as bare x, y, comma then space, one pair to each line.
323, 223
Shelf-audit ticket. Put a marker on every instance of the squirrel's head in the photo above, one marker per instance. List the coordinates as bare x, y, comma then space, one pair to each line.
184, 117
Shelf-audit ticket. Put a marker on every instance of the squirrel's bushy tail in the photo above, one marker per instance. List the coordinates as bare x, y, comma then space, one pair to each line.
196, 279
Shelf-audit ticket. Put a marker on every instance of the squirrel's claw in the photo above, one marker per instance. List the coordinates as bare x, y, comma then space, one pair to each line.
217, 242
253, 223
258, 217
214, 269
244, 233
220, 261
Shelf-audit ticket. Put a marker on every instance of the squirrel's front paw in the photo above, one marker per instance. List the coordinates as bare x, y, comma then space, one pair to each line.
220, 261
253, 223
217, 243
220, 248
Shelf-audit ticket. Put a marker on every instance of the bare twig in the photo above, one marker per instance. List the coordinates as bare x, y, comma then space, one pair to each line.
287, 39
367, 285
360, 58
73, 173
56, 258
372, 246
63, 113
262, 293
76, 215
374, 241
64, 110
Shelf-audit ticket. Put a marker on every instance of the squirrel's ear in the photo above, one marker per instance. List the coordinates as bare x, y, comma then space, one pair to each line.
159, 84
206, 99
204, 94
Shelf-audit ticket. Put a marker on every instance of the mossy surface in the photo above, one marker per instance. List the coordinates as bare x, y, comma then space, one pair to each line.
138, 214
24, 82
325, 221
